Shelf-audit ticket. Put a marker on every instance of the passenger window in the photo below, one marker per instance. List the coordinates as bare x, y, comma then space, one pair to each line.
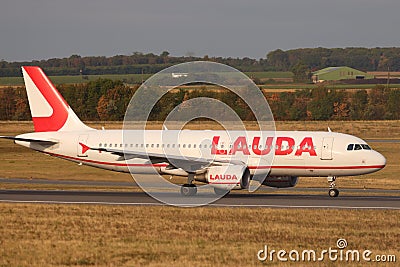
188, 145
100, 145
350, 147
105, 145
184, 145
357, 147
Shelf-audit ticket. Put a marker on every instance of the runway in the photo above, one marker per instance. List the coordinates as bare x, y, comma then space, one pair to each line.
254, 200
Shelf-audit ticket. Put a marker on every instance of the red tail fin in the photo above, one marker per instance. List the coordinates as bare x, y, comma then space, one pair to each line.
50, 111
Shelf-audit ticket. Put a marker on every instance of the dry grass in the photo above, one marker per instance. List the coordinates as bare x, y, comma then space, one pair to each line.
43, 235
384, 74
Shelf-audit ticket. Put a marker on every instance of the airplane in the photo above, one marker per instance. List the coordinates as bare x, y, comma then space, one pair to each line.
60, 133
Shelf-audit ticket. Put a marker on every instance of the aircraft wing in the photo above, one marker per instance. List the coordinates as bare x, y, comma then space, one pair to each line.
48, 142
189, 164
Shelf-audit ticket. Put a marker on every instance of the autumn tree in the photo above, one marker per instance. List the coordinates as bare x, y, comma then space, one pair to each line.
113, 104
301, 73
7, 103
358, 105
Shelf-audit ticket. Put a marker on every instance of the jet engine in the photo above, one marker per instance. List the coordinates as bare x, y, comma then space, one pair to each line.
226, 177
281, 181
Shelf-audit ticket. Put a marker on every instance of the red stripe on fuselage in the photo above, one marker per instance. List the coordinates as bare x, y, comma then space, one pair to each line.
53, 97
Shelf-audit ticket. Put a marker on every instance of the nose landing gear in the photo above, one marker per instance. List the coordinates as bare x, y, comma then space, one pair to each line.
333, 192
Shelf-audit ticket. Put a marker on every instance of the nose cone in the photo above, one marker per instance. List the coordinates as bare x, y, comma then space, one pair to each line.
379, 160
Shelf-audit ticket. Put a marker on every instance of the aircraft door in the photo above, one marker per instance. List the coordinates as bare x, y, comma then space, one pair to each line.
82, 146
326, 151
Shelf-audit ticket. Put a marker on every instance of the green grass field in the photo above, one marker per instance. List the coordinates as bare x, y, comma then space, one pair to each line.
282, 81
287, 86
270, 74
128, 78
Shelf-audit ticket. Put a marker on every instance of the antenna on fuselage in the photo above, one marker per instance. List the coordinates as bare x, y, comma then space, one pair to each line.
329, 129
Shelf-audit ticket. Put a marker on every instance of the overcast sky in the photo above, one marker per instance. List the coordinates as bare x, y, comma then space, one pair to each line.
42, 29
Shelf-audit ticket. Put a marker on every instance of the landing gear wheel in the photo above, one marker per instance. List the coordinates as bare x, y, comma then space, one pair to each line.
333, 192
188, 190
220, 192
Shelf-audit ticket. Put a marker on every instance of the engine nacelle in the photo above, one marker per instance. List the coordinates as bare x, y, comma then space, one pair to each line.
281, 181
227, 177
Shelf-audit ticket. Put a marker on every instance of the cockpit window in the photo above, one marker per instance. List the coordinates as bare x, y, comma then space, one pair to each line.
366, 147
357, 147
350, 147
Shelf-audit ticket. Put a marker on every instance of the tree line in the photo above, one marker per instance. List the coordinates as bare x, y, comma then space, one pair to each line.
366, 59
136, 63
107, 100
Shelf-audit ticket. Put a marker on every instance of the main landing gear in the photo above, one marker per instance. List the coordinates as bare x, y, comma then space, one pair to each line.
333, 192
189, 189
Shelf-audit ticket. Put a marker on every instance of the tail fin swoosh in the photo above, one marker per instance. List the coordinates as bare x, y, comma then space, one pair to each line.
50, 111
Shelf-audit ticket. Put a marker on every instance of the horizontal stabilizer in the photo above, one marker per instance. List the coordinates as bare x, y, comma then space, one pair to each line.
50, 142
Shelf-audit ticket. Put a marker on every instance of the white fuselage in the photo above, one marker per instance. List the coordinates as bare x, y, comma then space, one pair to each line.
280, 153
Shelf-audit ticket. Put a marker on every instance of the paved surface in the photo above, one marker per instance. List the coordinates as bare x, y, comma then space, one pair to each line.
232, 200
